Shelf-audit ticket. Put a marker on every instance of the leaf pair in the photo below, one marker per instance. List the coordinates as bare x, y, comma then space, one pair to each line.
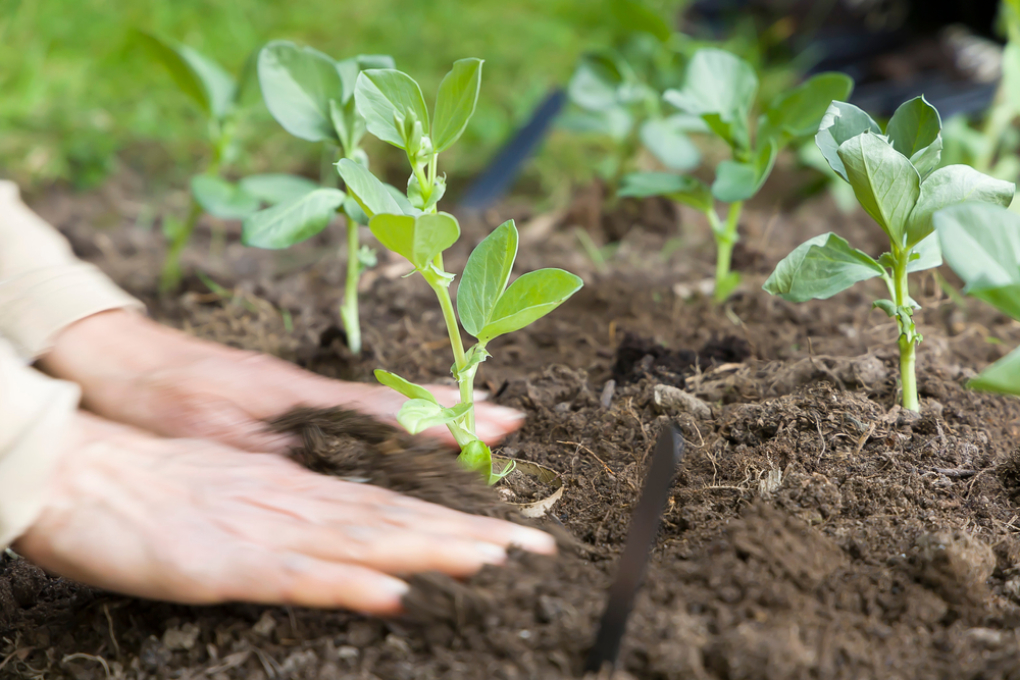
199, 77
893, 175
394, 109
311, 95
227, 200
981, 243
422, 410
487, 307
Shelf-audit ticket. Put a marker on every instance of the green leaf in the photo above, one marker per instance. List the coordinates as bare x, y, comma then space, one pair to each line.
841, 123
348, 124
385, 95
485, 277
596, 82
615, 123
419, 239
680, 188
221, 198
951, 185
350, 68
1002, 377
720, 87
819, 268
371, 194
915, 131
664, 139
885, 182
405, 387
417, 199
298, 84
635, 17
925, 255
418, 415
887, 306
199, 77
277, 188
477, 457
528, 299
455, 102
981, 242
288, 223
798, 112
735, 181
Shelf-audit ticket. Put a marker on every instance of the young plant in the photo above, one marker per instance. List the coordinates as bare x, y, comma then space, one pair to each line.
981, 243
394, 109
893, 174
312, 97
720, 88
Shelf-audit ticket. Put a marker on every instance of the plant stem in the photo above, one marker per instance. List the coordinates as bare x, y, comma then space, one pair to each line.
349, 307
908, 335
170, 277
466, 382
725, 238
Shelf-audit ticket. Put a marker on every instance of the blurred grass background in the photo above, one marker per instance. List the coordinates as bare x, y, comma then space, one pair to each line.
78, 99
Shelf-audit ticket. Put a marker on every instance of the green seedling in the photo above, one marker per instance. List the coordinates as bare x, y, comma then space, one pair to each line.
720, 89
893, 174
410, 225
219, 96
981, 243
312, 97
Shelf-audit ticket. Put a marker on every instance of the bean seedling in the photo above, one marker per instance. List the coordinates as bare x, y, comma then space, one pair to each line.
312, 97
981, 243
410, 225
720, 88
894, 176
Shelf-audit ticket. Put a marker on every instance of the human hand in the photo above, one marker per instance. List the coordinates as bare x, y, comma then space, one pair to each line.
138, 372
196, 522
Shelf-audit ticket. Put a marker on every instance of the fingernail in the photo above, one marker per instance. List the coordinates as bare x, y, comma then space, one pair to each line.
491, 553
396, 587
533, 540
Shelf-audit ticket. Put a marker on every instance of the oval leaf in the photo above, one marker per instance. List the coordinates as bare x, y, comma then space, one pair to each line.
819, 268
840, 123
222, 199
297, 84
664, 139
735, 181
419, 239
1002, 377
885, 182
951, 185
405, 387
455, 102
381, 95
199, 77
720, 87
485, 277
371, 194
799, 112
418, 415
981, 242
529, 298
680, 188
277, 188
915, 131
288, 223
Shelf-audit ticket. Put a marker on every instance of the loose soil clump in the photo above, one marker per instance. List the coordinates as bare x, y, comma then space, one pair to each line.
814, 531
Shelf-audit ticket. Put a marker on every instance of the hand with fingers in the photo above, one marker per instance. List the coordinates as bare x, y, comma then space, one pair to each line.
197, 522
138, 372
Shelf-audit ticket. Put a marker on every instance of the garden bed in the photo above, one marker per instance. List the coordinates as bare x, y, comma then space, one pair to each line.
814, 530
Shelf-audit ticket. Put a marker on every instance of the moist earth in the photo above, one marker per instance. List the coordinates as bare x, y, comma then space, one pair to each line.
814, 530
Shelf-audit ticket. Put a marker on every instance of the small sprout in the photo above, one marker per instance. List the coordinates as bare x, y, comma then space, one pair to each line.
981, 243
894, 177
312, 97
488, 305
720, 89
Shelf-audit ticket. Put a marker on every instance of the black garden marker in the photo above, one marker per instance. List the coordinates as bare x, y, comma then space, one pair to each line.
644, 525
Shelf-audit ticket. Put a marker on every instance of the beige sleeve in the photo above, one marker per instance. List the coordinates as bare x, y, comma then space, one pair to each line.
43, 287
35, 416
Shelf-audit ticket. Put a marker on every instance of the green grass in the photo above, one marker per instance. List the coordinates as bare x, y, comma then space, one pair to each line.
76, 97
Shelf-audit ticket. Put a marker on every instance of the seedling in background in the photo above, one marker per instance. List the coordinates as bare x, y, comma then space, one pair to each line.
981, 243
312, 97
893, 174
395, 112
720, 88
219, 96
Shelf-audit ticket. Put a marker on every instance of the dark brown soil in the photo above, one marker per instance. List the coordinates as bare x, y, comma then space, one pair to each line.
815, 530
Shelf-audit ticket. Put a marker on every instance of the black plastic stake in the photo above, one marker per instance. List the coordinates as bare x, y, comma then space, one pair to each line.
644, 526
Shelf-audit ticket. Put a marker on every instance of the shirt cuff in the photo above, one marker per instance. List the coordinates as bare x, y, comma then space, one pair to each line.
35, 418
